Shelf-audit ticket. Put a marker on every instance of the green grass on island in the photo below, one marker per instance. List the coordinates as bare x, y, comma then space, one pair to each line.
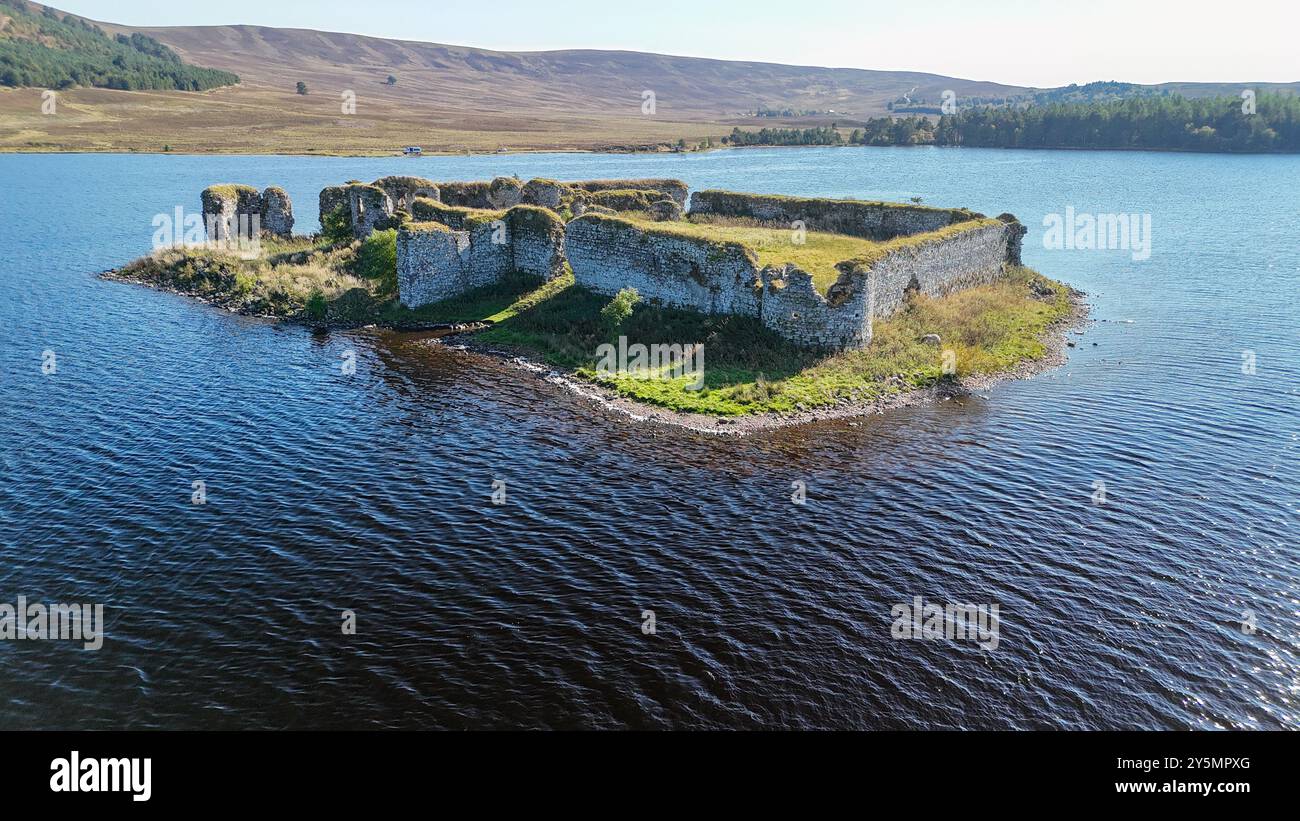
747, 368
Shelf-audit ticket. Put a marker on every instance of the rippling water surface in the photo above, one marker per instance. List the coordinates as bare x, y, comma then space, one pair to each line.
371, 493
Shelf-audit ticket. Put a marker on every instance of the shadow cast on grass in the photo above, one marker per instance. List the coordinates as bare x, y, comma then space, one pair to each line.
567, 329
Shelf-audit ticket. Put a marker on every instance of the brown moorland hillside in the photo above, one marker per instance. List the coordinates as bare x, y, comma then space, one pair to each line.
446, 98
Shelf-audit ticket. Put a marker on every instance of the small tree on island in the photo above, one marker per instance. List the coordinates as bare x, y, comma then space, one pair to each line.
302, 88
620, 307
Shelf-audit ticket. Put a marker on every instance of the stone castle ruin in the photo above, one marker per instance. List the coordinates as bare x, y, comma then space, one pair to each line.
382, 203
934, 251
470, 248
232, 212
453, 237
448, 248
457, 236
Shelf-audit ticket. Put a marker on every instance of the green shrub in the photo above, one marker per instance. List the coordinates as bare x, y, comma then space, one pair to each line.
377, 259
316, 304
244, 282
336, 226
620, 307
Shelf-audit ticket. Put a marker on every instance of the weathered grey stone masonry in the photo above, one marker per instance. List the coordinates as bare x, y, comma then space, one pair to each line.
465, 235
226, 207
457, 236
947, 250
437, 262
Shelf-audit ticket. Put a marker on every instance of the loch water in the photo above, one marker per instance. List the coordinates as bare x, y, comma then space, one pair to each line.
1171, 605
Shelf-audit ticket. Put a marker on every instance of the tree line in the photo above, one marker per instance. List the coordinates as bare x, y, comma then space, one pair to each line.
875, 131
49, 51
1267, 122
823, 135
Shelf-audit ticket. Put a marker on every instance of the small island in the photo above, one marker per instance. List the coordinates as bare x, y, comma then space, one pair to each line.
802, 308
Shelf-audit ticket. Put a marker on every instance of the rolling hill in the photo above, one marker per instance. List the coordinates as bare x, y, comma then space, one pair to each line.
448, 98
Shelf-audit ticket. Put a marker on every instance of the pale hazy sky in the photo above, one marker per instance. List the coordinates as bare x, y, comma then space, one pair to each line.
1021, 43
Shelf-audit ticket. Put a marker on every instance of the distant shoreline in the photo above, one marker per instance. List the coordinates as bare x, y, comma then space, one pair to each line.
623, 151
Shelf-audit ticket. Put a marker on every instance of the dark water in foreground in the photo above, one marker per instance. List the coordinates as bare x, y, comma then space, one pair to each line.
371, 493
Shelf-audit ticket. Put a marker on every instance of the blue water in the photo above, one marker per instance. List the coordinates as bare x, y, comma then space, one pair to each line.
371, 493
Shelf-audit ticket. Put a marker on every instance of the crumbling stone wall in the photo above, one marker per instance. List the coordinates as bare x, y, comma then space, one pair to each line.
792, 307
505, 192
402, 191
436, 261
331, 199
675, 190
373, 206
465, 194
229, 208
1015, 234
369, 207
857, 218
501, 192
536, 241
713, 277
608, 254
622, 199
427, 247
665, 211
948, 263
618, 195
543, 192
277, 212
